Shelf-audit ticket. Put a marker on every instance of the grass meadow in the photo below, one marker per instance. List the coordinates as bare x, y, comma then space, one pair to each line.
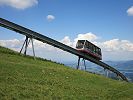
22, 77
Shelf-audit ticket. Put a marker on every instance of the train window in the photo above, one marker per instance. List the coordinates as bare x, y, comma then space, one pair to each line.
80, 44
96, 50
87, 45
93, 49
90, 46
99, 51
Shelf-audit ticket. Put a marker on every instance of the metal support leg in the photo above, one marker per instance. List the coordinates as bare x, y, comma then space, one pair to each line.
78, 63
84, 63
107, 73
33, 48
23, 45
26, 45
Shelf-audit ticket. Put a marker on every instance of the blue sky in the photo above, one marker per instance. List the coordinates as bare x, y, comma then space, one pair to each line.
106, 19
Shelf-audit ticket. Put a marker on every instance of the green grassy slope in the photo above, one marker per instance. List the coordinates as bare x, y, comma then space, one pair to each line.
24, 78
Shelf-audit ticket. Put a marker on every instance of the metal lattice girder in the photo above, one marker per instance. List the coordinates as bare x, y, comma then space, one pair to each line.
45, 39
26, 43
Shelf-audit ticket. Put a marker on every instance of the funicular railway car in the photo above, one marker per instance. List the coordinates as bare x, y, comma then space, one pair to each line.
89, 48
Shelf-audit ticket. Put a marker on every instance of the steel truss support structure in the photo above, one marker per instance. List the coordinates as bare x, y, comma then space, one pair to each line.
25, 46
79, 62
106, 73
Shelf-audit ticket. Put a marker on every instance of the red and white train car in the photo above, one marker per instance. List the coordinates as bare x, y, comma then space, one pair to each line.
89, 48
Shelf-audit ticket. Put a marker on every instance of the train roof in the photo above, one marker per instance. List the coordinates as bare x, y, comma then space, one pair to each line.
90, 42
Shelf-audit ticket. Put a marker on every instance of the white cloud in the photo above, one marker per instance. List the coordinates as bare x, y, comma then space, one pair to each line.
115, 45
10, 43
111, 45
66, 40
19, 4
87, 36
50, 17
130, 11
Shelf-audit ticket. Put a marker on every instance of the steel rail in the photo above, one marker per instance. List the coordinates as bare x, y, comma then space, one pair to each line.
32, 34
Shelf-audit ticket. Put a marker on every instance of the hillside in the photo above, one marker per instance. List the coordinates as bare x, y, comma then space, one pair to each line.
24, 78
125, 67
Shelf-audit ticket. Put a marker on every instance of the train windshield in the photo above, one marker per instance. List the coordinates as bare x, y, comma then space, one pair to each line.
80, 44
